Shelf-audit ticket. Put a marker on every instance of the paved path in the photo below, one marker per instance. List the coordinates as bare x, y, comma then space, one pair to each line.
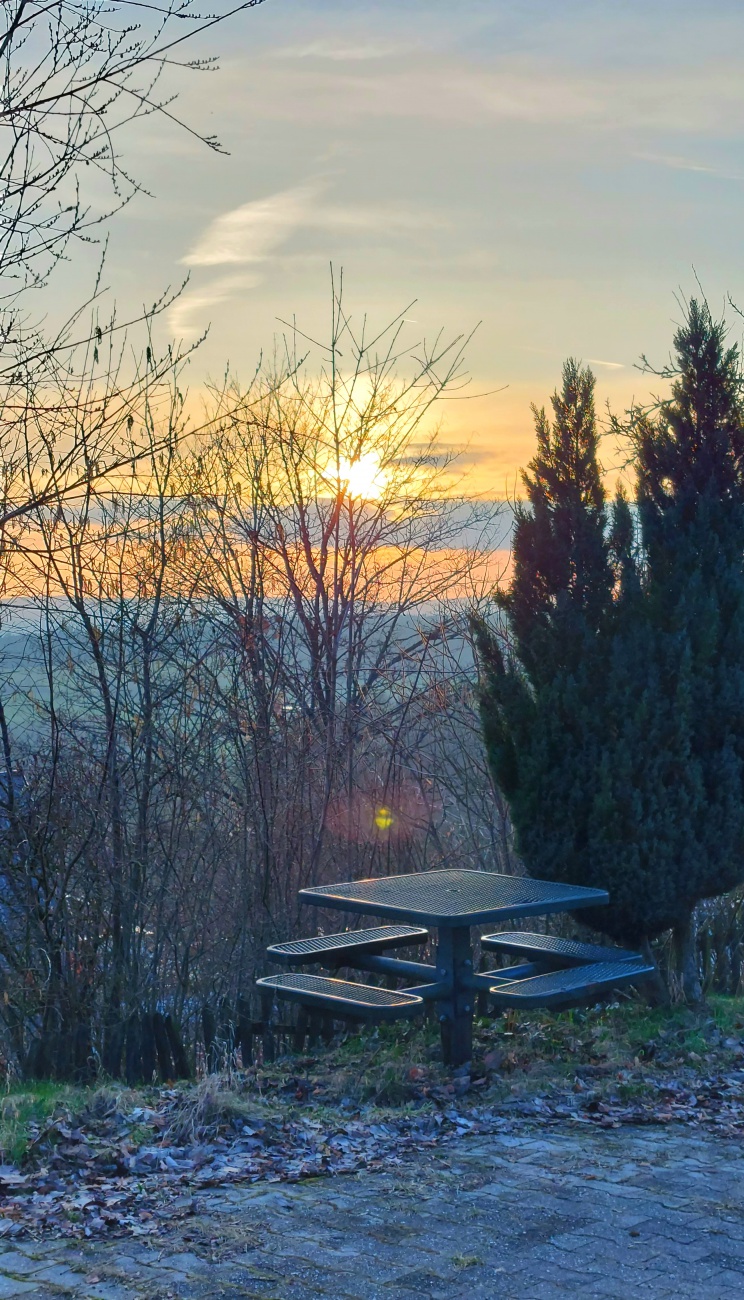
537, 1216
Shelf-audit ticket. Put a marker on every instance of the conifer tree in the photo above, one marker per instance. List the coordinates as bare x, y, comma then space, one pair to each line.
690, 462
541, 675
613, 697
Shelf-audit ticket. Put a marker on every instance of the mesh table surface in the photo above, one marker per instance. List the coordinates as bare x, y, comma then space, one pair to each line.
453, 897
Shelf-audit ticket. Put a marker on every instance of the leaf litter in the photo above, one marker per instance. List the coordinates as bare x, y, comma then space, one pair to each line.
133, 1169
114, 1162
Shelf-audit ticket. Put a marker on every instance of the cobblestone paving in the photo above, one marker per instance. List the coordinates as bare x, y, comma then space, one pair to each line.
627, 1213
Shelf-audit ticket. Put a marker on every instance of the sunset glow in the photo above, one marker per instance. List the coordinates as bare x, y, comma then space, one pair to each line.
372, 502
363, 478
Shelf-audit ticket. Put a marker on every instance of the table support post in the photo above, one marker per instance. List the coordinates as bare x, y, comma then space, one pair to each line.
455, 964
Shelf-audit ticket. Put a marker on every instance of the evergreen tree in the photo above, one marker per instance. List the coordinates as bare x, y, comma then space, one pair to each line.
542, 679
562, 578
613, 699
690, 462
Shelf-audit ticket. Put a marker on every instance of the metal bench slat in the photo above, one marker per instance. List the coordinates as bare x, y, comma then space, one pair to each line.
559, 988
357, 1001
298, 952
552, 950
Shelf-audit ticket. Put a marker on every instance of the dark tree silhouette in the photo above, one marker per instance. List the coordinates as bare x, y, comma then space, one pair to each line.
613, 696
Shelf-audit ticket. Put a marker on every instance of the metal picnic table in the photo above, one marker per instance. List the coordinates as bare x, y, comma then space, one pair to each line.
453, 901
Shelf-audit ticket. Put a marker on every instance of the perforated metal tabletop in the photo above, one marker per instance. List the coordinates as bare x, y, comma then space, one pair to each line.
453, 897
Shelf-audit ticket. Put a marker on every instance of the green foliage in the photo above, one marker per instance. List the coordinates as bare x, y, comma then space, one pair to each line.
613, 699
691, 508
23, 1110
562, 579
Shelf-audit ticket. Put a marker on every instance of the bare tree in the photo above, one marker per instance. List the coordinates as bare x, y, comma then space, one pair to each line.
72, 73
329, 556
252, 672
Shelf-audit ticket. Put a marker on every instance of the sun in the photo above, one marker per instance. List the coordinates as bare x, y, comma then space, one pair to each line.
364, 477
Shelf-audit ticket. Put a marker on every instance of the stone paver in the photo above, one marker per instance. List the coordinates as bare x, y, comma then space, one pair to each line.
534, 1216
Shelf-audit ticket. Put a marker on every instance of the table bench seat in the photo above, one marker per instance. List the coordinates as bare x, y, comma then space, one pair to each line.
553, 951
342, 998
329, 949
453, 900
566, 987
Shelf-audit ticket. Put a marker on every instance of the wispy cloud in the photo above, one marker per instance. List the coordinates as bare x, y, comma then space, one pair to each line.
687, 165
188, 314
351, 53
253, 231
255, 234
590, 361
374, 218
702, 99
311, 83
256, 230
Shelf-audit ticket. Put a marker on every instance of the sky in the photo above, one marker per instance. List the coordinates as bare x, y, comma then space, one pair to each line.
556, 175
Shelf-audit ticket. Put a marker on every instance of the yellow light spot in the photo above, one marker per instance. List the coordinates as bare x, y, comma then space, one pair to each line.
364, 477
383, 819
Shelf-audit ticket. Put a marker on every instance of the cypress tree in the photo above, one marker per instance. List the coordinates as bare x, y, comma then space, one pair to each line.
613, 697
690, 461
542, 673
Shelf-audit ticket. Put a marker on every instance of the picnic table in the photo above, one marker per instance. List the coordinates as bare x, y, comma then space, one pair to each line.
453, 901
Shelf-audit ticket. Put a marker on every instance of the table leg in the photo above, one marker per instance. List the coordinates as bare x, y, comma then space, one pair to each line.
455, 963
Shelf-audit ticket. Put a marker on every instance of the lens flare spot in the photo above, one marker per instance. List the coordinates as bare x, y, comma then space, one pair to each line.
383, 819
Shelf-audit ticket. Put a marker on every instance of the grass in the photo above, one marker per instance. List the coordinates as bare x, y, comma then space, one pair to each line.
209, 1106
32, 1107
516, 1053
623, 1049
25, 1107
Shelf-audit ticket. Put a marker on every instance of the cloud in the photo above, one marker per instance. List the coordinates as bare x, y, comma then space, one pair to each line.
253, 231
702, 99
186, 317
686, 165
311, 84
256, 230
450, 92
338, 53
532, 99
375, 219
590, 361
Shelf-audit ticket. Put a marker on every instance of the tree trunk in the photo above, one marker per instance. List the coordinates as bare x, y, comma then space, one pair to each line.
244, 1030
149, 1054
656, 986
687, 964
178, 1051
209, 1029
133, 1051
162, 1047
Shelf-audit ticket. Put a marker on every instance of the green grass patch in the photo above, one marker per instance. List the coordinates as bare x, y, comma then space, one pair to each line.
24, 1109
622, 1048
618, 1052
